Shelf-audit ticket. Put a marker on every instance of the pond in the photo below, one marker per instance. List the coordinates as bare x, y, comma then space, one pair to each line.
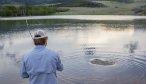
110, 52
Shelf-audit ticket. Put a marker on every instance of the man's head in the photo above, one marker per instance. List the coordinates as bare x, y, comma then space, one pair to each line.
40, 38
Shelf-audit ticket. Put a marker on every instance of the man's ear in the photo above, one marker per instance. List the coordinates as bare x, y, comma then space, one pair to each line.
46, 41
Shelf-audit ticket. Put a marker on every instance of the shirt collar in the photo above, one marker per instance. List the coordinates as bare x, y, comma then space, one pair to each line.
39, 47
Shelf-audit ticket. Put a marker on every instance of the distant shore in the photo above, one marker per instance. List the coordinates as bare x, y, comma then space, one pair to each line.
137, 8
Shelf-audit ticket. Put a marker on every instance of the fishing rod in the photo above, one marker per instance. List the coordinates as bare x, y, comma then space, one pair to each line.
27, 21
28, 28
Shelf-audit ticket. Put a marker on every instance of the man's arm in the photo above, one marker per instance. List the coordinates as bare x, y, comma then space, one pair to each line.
24, 73
59, 64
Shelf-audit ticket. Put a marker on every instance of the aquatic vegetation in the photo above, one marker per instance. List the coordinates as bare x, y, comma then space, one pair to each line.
102, 62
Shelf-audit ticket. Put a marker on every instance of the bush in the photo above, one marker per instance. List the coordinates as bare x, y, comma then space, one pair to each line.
28, 10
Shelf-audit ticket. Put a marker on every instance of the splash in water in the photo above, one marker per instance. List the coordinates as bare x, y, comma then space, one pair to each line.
1, 45
132, 46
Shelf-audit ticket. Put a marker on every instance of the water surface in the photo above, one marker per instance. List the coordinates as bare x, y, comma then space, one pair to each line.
80, 17
78, 44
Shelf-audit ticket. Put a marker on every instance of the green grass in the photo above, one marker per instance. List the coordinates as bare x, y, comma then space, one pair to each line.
114, 8
95, 11
123, 5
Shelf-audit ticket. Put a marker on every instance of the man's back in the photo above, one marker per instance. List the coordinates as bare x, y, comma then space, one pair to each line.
40, 65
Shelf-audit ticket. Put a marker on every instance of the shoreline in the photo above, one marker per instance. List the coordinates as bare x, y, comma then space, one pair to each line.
77, 17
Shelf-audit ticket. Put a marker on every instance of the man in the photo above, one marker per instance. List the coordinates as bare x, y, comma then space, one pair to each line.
41, 63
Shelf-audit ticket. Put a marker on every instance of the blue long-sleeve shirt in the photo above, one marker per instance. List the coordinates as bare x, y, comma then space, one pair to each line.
40, 66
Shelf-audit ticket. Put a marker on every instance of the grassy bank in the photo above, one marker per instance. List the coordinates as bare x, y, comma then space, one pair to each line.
86, 8
95, 11
113, 8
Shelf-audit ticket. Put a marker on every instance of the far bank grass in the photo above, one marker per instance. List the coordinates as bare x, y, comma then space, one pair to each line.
113, 8
95, 11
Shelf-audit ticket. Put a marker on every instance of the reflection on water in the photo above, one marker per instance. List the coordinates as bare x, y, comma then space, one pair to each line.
117, 26
85, 49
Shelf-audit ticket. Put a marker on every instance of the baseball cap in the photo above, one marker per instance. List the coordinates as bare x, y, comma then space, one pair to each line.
39, 34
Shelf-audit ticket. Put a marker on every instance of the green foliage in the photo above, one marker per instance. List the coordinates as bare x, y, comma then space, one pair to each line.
62, 9
140, 10
125, 1
81, 3
28, 10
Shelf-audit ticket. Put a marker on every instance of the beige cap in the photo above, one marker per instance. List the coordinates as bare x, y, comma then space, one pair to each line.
39, 34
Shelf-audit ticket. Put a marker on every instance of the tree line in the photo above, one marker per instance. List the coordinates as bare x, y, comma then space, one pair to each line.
28, 10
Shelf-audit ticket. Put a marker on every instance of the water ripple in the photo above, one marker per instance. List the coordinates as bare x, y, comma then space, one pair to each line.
78, 68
